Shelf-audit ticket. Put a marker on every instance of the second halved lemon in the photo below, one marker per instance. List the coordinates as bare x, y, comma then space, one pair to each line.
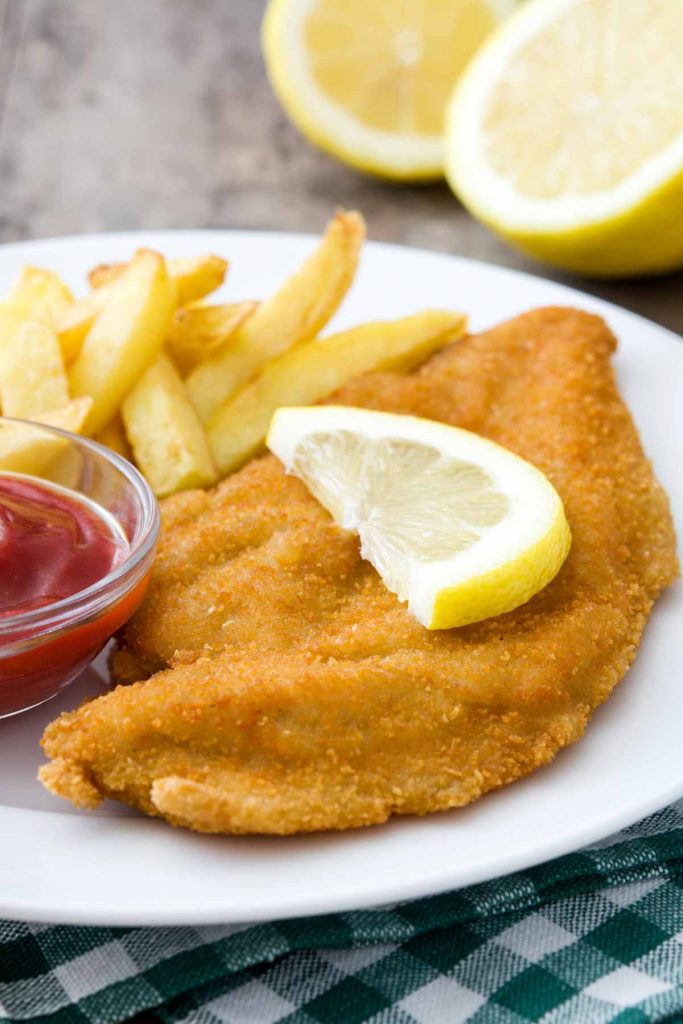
565, 134
368, 82
459, 527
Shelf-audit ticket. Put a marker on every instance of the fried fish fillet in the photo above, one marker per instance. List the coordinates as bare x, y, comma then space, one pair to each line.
289, 690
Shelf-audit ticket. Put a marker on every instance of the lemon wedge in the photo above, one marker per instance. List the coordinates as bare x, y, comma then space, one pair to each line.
368, 82
455, 525
565, 134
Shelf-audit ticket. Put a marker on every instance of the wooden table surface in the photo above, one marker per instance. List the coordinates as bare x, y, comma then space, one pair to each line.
158, 114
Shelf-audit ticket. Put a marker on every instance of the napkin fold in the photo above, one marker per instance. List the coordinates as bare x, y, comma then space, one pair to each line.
591, 938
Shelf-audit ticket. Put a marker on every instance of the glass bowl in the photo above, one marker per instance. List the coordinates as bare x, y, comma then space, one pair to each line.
44, 649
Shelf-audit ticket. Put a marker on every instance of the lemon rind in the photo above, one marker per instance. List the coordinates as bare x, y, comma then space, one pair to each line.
508, 586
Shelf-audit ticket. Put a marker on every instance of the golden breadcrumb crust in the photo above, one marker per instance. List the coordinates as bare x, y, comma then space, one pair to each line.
294, 693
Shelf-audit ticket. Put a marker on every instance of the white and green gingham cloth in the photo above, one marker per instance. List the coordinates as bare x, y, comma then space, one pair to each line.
590, 938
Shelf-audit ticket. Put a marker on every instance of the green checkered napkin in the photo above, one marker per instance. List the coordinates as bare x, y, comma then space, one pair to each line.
593, 937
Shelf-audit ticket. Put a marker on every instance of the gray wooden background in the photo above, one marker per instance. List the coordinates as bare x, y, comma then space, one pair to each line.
118, 114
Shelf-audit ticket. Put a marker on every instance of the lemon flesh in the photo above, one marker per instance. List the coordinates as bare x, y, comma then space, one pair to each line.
565, 134
455, 525
369, 82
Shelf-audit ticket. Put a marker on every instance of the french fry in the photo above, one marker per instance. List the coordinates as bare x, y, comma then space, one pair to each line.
296, 313
198, 332
193, 276
40, 295
11, 319
25, 450
197, 276
126, 337
104, 273
310, 372
113, 436
32, 378
73, 325
167, 437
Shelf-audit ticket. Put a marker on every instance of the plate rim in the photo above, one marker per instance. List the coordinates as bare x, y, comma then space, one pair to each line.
112, 916
97, 237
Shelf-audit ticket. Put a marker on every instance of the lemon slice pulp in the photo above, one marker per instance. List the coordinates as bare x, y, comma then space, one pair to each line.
368, 82
565, 134
457, 526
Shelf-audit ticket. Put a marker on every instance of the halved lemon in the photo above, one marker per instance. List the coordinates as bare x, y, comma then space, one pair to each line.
368, 82
565, 134
457, 526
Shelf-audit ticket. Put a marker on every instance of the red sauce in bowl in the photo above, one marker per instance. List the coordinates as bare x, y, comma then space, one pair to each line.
53, 543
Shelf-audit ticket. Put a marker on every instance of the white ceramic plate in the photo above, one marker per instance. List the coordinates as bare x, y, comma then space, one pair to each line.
116, 867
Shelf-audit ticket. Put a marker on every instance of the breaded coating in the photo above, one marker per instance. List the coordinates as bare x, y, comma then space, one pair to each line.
293, 692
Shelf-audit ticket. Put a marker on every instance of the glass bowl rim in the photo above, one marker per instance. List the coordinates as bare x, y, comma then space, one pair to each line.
102, 591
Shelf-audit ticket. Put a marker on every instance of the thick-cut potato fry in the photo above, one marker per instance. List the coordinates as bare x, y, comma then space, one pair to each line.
193, 276
23, 450
11, 319
312, 371
168, 439
198, 332
114, 436
126, 338
37, 295
32, 375
197, 276
104, 273
296, 313
40, 295
73, 325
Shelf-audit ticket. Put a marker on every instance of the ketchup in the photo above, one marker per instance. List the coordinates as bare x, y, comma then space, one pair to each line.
53, 543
